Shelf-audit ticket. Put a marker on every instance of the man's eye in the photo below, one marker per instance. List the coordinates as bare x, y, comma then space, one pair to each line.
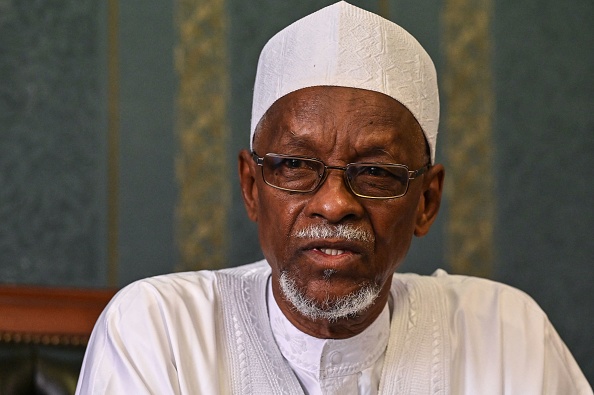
376, 171
374, 174
294, 163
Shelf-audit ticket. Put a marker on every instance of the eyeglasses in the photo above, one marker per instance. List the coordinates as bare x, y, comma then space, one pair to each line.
367, 180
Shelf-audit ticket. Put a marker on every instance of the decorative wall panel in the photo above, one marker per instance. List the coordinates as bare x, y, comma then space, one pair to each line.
202, 163
49, 143
468, 148
544, 70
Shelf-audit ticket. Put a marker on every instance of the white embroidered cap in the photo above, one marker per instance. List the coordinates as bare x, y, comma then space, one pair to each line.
343, 45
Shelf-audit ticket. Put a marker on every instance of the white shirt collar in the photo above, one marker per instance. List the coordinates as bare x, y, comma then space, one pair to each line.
326, 358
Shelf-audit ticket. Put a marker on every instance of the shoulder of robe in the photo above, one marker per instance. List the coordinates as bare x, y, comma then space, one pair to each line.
477, 294
176, 290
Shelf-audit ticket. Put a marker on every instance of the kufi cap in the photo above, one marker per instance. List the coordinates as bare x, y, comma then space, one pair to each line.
343, 45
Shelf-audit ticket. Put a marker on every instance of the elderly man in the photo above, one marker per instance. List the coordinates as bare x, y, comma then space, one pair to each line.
340, 177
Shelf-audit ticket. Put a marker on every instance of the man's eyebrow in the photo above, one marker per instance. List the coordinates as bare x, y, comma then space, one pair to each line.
373, 147
297, 143
375, 151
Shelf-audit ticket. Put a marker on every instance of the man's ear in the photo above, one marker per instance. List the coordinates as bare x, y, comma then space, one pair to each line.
430, 199
247, 181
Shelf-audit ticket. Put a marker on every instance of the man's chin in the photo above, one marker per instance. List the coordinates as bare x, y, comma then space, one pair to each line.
330, 308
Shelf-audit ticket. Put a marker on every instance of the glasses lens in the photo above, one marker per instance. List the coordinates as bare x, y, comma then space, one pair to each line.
294, 174
378, 180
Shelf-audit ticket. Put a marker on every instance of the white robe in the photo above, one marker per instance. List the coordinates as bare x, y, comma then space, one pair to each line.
208, 332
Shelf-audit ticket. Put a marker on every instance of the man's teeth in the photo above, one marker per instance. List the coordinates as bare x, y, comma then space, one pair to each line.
331, 251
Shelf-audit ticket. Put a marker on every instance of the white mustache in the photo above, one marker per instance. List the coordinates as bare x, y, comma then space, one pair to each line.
341, 231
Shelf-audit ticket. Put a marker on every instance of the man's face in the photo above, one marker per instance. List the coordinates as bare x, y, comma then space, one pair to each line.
338, 126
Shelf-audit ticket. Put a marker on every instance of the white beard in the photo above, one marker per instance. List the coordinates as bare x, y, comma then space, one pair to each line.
332, 310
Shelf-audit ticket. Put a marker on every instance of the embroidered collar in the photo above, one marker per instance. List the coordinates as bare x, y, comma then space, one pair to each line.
326, 358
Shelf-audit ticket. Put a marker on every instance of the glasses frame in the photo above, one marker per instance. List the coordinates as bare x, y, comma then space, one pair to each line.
412, 174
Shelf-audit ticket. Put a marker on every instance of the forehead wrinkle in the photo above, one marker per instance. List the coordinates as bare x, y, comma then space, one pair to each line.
375, 154
311, 108
293, 143
396, 144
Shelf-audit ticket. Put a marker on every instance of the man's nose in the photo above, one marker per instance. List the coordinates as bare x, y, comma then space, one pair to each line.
334, 200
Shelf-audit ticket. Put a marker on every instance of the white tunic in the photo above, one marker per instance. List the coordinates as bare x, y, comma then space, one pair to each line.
209, 333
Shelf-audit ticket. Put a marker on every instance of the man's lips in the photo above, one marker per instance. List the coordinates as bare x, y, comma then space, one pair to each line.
331, 251
348, 256
335, 247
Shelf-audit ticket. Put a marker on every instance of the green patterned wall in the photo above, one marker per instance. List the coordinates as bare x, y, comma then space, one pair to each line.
51, 143
544, 142
87, 143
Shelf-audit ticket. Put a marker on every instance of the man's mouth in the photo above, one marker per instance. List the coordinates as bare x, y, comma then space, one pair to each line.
334, 248
331, 251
